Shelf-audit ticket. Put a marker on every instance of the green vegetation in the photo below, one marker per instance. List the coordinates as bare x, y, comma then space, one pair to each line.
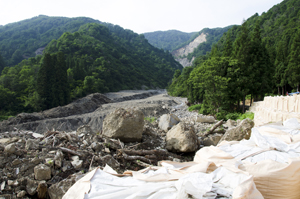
150, 119
20, 40
253, 59
96, 58
213, 36
168, 40
195, 107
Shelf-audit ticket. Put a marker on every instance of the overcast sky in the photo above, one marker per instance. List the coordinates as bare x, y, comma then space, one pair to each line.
141, 15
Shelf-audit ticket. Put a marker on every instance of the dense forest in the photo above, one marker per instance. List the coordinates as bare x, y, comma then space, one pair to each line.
213, 36
169, 40
21, 39
259, 57
172, 40
95, 58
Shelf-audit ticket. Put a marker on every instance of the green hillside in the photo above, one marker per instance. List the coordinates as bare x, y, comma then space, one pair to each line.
168, 40
94, 58
259, 58
21, 39
213, 36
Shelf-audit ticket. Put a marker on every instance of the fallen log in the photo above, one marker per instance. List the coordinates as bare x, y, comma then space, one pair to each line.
214, 128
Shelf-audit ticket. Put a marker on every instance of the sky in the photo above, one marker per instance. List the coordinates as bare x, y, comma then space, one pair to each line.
141, 16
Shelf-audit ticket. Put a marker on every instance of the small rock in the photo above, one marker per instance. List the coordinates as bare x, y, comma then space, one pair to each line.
31, 186
21, 194
77, 164
42, 190
31, 144
15, 162
167, 121
49, 162
205, 119
212, 139
108, 159
85, 130
58, 158
10, 149
42, 172
96, 146
107, 150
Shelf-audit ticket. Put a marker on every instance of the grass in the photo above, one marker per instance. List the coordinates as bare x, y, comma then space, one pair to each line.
194, 107
150, 119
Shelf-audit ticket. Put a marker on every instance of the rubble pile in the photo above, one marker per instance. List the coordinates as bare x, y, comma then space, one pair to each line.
47, 164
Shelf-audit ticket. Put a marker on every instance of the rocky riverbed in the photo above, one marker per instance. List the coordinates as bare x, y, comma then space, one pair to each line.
43, 154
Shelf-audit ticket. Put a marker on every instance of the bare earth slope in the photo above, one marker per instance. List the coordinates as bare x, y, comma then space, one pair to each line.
184, 51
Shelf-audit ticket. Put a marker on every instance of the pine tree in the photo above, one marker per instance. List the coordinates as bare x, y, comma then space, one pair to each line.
2, 64
227, 50
241, 52
294, 62
259, 78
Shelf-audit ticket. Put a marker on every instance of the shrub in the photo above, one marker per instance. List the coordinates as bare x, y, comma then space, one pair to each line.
195, 107
249, 115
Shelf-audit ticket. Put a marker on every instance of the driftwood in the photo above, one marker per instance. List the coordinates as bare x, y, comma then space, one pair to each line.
112, 145
143, 164
219, 123
63, 149
127, 157
150, 154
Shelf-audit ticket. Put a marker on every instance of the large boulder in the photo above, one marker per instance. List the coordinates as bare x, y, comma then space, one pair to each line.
242, 131
126, 125
167, 121
182, 138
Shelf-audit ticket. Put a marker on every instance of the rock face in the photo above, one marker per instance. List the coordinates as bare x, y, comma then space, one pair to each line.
126, 125
242, 131
182, 138
167, 121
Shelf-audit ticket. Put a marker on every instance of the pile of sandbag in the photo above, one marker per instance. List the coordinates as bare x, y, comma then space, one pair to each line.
265, 166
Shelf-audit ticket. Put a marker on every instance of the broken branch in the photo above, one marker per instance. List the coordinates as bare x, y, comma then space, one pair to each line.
214, 127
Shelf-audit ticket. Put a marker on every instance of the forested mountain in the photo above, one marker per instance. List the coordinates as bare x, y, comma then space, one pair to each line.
94, 58
212, 36
258, 58
184, 46
21, 39
168, 40
198, 45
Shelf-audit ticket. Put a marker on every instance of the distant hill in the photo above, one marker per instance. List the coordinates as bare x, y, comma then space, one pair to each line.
21, 39
80, 58
185, 47
168, 40
124, 60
